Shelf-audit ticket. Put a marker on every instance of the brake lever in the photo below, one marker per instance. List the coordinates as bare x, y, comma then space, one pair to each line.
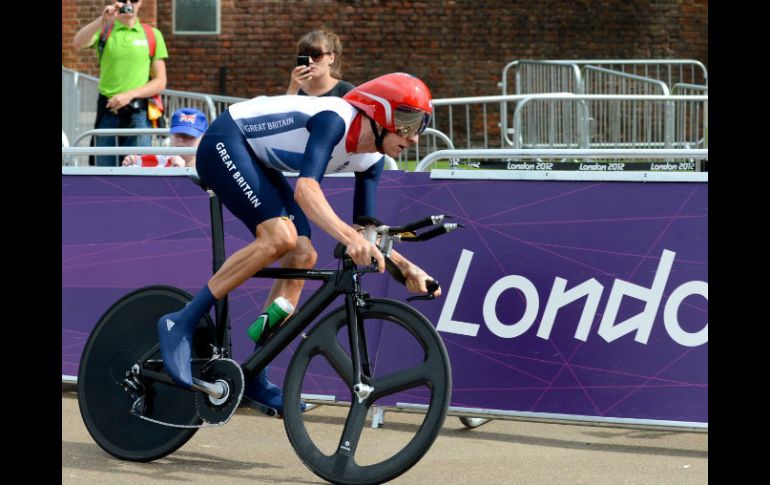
432, 286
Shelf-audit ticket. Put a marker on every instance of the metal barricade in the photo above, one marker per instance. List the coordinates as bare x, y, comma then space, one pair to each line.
79, 96
547, 77
221, 103
670, 71
600, 80
473, 122
627, 123
211, 104
81, 161
557, 120
550, 76
174, 100
80, 93
601, 121
534, 77
691, 125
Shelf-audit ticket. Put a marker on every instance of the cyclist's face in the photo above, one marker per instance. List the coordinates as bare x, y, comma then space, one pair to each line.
394, 144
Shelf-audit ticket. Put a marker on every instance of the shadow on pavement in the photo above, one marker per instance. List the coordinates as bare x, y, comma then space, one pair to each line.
90, 457
591, 440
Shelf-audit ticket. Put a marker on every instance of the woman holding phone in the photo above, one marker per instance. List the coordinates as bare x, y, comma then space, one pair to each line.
318, 71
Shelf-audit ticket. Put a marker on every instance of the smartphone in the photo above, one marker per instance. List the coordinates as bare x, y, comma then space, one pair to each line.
303, 60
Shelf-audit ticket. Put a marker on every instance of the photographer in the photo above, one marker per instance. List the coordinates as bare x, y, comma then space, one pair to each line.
128, 74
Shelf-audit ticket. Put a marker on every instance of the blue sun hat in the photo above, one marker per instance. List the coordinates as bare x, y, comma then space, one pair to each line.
189, 121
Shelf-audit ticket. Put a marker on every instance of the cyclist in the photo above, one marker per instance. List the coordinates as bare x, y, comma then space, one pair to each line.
241, 158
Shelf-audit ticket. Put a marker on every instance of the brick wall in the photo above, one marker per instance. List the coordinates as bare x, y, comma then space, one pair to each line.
458, 48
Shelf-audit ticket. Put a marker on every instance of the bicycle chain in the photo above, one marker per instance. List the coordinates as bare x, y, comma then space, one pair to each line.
198, 394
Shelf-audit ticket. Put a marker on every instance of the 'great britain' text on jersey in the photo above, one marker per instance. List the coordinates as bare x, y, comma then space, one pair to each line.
270, 125
277, 128
247, 190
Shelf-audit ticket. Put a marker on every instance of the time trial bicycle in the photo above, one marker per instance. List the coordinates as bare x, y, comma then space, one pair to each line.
134, 411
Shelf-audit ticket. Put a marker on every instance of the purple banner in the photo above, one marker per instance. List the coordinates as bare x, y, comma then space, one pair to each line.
581, 298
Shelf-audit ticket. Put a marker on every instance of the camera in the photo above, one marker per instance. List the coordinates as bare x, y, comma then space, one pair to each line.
136, 105
126, 8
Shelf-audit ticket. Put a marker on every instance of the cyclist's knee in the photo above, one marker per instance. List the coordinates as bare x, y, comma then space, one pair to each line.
279, 235
303, 255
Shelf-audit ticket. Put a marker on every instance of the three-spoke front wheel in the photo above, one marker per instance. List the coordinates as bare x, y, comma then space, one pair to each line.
407, 363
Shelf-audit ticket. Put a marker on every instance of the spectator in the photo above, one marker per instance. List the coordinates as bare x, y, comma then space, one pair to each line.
128, 75
323, 75
187, 128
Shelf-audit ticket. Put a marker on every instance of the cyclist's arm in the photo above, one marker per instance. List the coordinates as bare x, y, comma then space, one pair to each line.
313, 203
326, 130
364, 205
414, 275
364, 197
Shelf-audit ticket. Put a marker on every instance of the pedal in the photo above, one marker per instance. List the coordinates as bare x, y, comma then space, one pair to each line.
257, 406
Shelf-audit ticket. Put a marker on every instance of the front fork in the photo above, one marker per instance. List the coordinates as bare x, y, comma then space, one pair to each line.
357, 339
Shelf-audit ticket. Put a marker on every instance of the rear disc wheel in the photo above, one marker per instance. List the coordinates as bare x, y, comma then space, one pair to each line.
125, 333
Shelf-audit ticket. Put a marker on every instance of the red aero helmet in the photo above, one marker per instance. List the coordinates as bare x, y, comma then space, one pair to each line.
399, 102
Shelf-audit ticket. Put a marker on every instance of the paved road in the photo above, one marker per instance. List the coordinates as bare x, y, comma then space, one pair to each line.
253, 449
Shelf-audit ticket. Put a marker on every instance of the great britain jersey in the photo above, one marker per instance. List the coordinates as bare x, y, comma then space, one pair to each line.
301, 134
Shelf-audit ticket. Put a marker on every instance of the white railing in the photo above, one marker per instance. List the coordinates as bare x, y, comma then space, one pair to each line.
517, 154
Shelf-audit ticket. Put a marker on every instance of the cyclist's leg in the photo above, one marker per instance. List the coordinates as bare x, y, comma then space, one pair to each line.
303, 255
259, 392
225, 163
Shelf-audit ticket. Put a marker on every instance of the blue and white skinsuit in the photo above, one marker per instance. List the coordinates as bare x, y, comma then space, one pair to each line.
243, 153
241, 158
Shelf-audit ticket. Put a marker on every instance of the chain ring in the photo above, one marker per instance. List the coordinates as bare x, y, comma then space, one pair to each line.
216, 412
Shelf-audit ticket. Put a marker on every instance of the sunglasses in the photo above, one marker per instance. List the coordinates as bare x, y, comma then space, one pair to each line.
315, 55
410, 121
131, 1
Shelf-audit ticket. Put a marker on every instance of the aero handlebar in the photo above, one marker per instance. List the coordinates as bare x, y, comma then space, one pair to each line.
374, 229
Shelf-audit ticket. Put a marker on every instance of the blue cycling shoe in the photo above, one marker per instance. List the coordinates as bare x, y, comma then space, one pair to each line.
264, 396
175, 335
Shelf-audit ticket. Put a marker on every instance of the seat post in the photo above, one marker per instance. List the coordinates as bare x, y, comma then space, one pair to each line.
222, 321
217, 232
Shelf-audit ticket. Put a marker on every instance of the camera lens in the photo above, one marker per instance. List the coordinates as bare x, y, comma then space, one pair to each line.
126, 9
